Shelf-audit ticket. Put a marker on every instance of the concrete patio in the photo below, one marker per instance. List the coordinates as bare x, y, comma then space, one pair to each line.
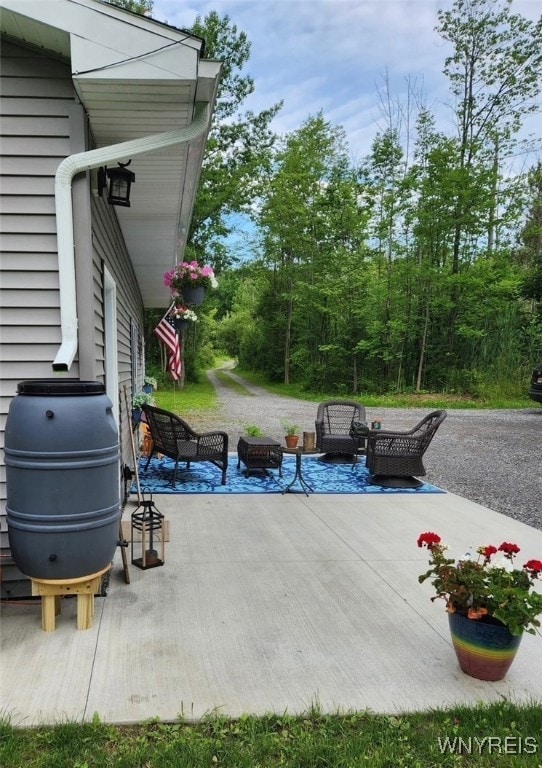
267, 603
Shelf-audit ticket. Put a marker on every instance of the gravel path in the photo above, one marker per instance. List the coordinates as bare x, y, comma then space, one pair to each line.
491, 457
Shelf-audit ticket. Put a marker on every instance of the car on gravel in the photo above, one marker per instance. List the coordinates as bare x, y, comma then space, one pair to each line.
535, 392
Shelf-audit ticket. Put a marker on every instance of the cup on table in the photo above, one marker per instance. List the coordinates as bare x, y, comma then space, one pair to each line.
309, 441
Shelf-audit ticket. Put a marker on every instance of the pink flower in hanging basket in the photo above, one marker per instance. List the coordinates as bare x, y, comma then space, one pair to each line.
189, 274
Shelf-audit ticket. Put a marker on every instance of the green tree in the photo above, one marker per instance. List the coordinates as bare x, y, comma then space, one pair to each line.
433, 177
383, 174
237, 157
239, 149
143, 7
495, 74
529, 257
312, 234
531, 237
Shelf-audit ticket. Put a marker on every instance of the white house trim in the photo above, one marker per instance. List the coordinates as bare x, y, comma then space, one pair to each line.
135, 77
68, 168
110, 342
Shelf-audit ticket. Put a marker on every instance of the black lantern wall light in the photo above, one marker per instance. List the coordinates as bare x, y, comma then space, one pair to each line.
120, 181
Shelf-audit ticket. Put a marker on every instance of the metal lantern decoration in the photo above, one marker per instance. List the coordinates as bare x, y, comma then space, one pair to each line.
150, 524
120, 181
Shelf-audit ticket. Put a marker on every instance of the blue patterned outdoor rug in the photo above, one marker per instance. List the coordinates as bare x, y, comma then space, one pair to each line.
205, 478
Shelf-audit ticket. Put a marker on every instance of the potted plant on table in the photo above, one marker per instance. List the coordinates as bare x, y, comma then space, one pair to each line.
189, 280
292, 435
489, 603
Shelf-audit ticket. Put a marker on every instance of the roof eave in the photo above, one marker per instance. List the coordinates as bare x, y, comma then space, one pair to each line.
135, 78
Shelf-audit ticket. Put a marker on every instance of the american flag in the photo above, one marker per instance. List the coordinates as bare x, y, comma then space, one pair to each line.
165, 330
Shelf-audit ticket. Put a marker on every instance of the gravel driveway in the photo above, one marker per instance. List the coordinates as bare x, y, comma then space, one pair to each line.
492, 457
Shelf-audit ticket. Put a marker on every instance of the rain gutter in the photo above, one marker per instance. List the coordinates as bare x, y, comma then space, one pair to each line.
84, 161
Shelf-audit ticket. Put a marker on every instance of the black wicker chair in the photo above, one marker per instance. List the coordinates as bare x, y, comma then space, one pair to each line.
173, 437
394, 458
334, 435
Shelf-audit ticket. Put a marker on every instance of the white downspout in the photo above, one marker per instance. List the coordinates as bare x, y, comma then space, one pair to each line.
84, 161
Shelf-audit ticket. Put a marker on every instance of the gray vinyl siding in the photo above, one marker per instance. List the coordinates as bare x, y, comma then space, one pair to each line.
109, 249
38, 130
37, 99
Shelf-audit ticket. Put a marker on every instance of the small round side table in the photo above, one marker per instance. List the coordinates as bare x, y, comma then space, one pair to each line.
299, 452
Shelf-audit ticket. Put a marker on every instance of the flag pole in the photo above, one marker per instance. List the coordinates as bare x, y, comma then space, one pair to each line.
168, 335
163, 353
168, 310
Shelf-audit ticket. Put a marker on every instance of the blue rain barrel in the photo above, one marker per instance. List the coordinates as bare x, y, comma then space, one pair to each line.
62, 478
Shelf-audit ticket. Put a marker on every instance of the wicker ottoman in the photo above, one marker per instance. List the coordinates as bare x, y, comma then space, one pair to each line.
259, 453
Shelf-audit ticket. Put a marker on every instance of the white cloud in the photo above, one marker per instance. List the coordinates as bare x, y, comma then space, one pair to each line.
332, 55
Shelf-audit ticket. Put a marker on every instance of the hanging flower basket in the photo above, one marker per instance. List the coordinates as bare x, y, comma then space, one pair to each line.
193, 294
182, 317
189, 281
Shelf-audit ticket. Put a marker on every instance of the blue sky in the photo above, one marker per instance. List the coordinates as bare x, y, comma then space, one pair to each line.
333, 55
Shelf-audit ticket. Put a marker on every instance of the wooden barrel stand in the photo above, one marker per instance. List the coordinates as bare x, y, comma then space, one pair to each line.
50, 590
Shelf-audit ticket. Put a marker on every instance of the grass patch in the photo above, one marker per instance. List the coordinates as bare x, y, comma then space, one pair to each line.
232, 384
428, 400
486, 735
200, 396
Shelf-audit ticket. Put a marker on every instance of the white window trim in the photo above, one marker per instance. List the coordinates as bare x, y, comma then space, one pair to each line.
110, 342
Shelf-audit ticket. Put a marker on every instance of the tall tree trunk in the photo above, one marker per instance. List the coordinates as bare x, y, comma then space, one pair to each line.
400, 368
493, 201
288, 340
421, 361
355, 383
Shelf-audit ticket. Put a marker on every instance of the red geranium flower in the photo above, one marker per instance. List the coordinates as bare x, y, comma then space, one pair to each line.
428, 539
534, 566
509, 549
478, 588
488, 551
